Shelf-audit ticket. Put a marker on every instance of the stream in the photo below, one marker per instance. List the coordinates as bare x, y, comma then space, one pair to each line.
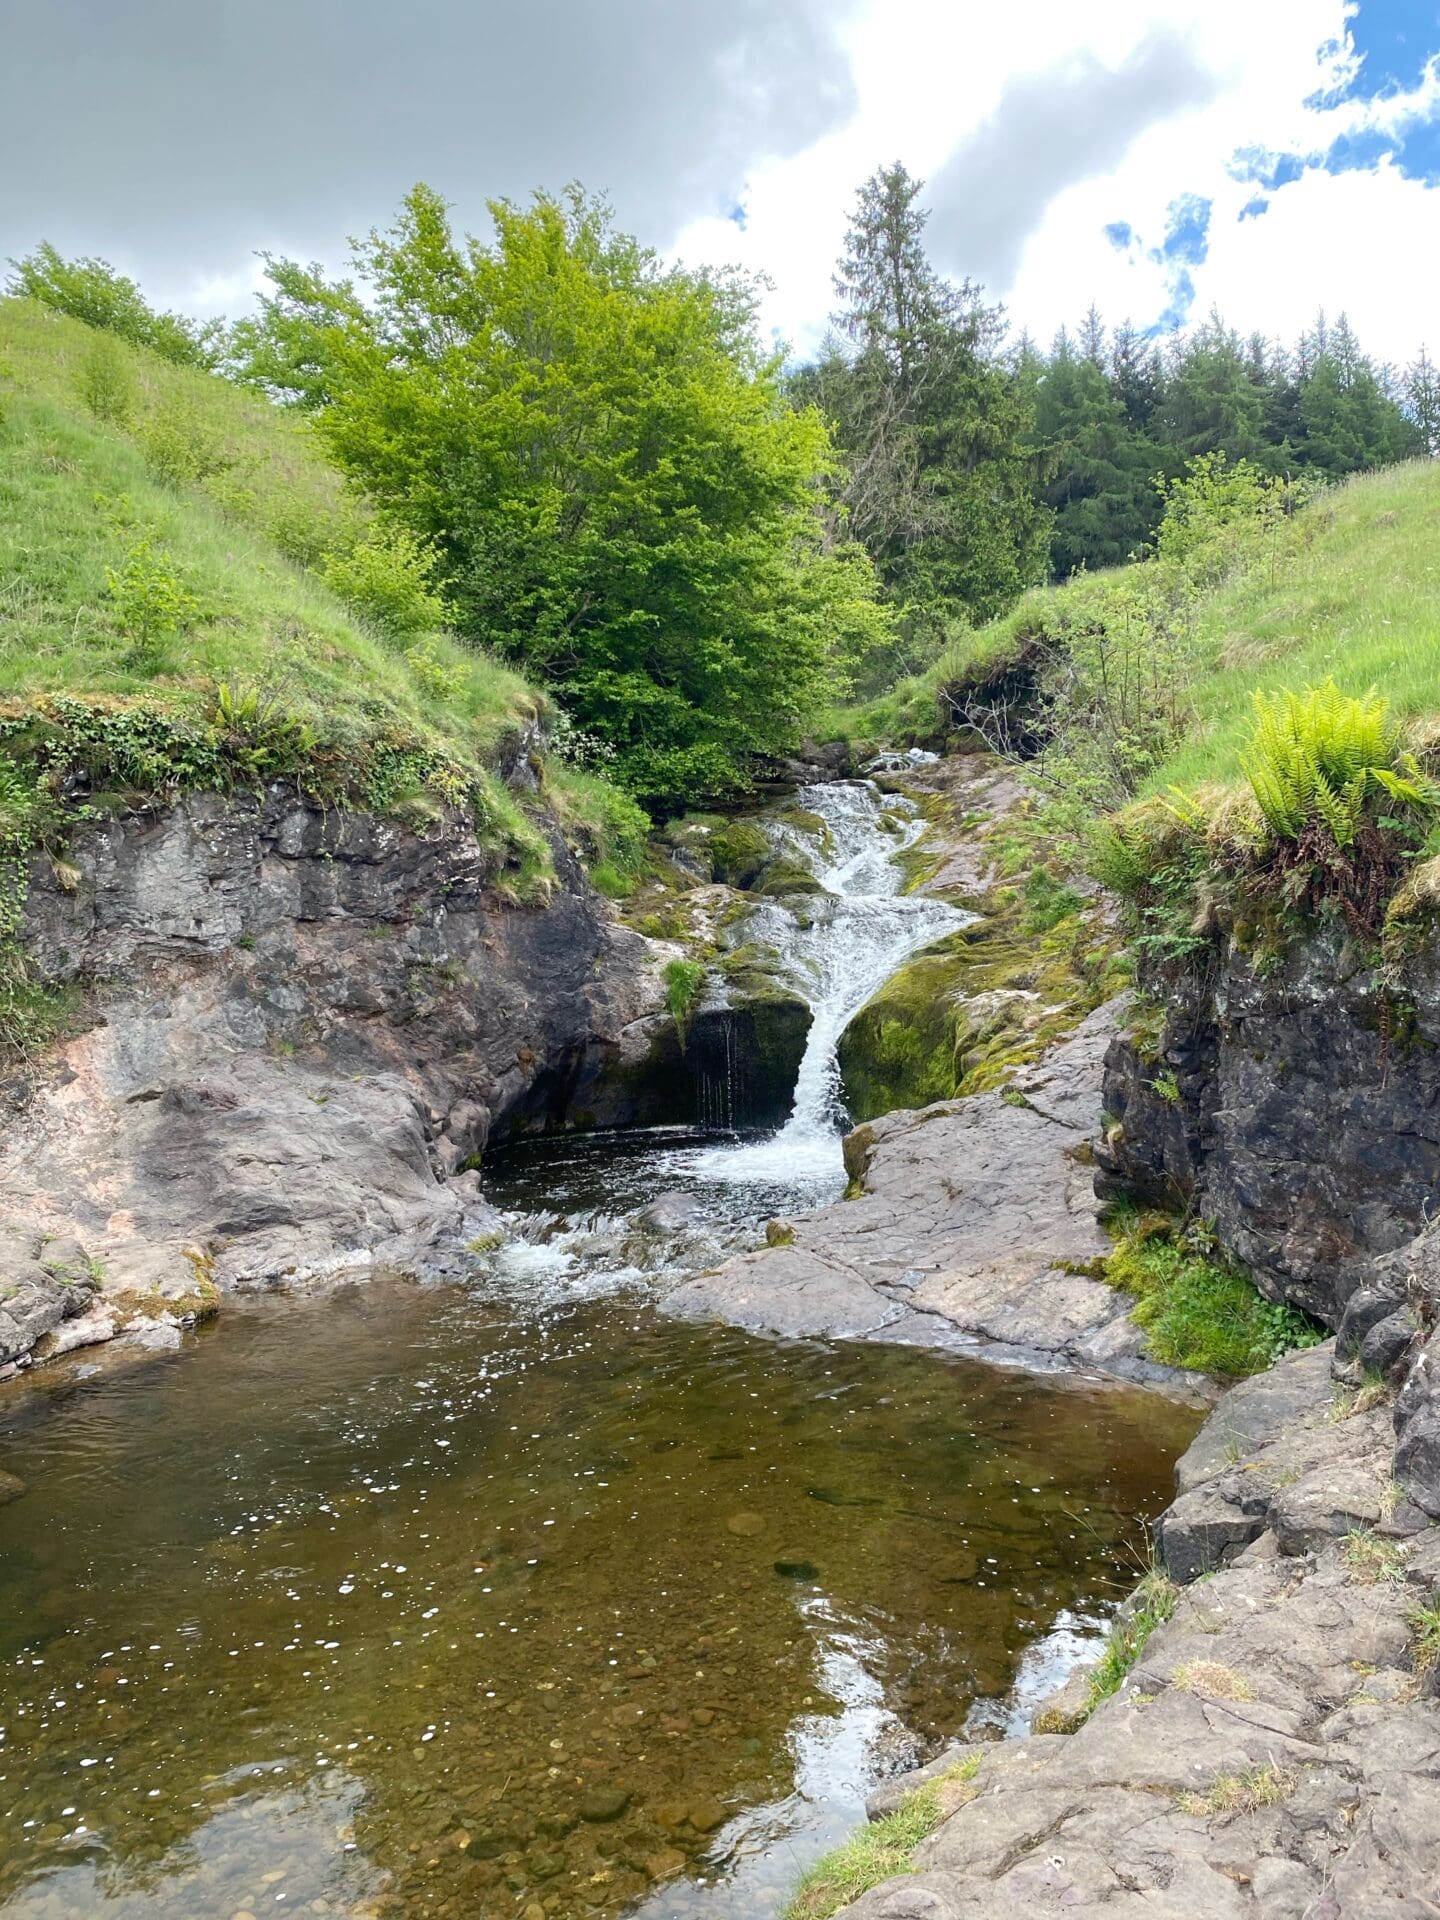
510, 1596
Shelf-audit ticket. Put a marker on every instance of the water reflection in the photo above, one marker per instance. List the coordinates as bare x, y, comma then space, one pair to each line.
433, 1605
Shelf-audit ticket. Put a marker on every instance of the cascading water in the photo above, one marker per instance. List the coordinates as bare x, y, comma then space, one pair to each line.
586, 1220
836, 948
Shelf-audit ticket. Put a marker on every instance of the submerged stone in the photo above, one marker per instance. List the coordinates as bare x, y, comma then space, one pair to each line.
797, 1570
602, 1804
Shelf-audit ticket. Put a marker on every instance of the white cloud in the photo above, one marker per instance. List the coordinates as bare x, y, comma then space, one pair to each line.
930, 76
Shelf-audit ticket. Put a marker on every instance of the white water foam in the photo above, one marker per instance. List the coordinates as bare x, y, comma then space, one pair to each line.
837, 948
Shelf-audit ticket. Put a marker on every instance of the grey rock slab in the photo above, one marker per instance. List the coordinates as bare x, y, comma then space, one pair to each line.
973, 1215
786, 1290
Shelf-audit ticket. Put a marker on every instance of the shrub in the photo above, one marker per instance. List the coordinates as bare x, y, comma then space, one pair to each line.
152, 600
181, 446
387, 578
439, 679
105, 382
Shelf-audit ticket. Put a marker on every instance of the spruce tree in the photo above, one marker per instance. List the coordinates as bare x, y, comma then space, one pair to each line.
934, 426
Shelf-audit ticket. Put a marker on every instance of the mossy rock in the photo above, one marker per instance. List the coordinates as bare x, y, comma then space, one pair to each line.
786, 877
804, 821
899, 1050
739, 850
752, 972
960, 1018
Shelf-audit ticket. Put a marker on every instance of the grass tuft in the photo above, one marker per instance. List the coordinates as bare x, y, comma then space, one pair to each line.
1155, 1601
1371, 1560
1232, 1794
883, 1850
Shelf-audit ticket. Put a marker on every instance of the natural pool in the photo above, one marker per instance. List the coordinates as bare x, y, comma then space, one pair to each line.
415, 1601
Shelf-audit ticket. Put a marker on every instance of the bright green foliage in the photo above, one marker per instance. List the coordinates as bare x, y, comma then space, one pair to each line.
932, 425
1199, 1309
600, 454
92, 291
610, 832
152, 601
1318, 757
387, 577
1219, 513
104, 382
683, 981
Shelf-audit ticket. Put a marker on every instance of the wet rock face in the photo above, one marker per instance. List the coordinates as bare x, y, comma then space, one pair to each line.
1299, 1110
306, 1023
732, 1067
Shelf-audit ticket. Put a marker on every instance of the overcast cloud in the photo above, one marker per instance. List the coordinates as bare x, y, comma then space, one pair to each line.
1050, 130
176, 136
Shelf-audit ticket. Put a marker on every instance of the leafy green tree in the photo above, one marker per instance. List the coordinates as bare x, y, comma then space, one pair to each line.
600, 455
91, 290
933, 425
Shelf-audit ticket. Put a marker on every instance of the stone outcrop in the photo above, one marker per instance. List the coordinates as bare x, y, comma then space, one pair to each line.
43, 1283
303, 1026
1274, 1754
974, 1225
1296, 1105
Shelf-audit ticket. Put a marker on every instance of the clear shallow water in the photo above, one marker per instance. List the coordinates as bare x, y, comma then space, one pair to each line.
359, 1600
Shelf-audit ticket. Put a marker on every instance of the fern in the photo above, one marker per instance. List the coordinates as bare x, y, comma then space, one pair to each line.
1315, 758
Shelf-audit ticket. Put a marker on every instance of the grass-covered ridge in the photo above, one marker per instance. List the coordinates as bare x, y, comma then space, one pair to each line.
190, 598
1345, 586
227, 499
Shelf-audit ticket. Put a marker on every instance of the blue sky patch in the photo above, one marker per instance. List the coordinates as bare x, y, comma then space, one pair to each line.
1392, 44
1254, 207
1120, 234
1393, 41
1186, 244
1187, 235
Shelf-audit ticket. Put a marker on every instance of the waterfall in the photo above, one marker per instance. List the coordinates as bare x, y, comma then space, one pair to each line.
836, 948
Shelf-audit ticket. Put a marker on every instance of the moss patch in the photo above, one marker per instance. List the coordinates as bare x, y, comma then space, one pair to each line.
1199, 1309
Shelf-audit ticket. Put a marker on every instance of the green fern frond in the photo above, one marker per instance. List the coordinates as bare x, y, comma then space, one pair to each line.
1315, 757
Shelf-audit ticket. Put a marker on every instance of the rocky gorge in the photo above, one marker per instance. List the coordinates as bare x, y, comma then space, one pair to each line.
306, 1029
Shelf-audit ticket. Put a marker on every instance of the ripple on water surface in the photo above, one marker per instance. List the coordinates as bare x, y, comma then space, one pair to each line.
399, 1602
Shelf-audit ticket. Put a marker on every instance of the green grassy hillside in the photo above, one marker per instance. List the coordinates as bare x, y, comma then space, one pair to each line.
1349, 587
1359, 601
229, 506
190, 598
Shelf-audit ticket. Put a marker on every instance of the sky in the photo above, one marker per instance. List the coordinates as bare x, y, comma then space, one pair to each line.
1156, 157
